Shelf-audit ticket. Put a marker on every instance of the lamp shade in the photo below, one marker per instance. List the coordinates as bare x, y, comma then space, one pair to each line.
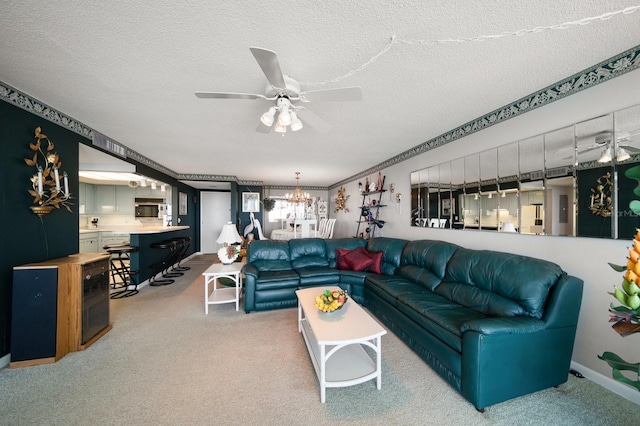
229, 234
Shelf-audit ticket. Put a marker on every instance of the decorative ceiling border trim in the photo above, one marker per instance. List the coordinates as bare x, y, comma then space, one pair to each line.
34, 106
606, 70
293, 187
27, 103
201, 177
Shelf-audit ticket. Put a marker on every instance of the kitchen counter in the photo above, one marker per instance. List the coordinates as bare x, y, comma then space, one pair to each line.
134, 229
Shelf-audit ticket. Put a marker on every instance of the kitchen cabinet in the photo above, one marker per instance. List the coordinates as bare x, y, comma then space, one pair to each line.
86, 198
58, 306
90, 242
125, 198
109, 238
114, 199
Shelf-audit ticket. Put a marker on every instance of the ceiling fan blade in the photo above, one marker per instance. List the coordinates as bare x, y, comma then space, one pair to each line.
224, 95
630, 148
339, 94
313, 120
268, 61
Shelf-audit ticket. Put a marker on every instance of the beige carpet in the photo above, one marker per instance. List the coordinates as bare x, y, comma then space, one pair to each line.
167, 363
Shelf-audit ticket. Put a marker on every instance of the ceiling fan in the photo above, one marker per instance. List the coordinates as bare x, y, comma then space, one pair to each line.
605, 140
286, 94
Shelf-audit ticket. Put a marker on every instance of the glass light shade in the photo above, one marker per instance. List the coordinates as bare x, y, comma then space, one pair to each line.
153, 185
622, 155
143, 183
284, 117
280, 128
163, 187
605, 157
229, 235
296, 124
267, 117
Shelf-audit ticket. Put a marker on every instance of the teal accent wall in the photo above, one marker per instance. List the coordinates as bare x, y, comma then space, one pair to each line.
25, 235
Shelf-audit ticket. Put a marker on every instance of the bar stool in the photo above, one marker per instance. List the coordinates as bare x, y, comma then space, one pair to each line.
181, 252
122, 276
164, 265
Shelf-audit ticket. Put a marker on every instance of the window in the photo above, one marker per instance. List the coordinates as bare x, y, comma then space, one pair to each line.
282, 210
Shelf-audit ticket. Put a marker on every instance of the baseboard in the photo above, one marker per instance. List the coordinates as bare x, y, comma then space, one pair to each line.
4, 361
609, 383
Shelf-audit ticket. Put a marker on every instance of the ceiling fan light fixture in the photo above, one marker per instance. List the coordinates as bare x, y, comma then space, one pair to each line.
296, 124
284, 117
622, 155
267, 117
280, 128
605, 157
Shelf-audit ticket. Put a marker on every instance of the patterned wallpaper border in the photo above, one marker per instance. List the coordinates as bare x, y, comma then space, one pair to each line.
599, 73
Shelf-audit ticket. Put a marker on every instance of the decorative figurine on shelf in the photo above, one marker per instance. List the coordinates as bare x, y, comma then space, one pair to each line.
46, 188
379, 187
366, 184
341, 200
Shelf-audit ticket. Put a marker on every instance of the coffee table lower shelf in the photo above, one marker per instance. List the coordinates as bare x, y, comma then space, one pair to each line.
341, 365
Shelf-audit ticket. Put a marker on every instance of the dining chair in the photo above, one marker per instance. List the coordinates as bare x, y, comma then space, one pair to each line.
328, 230
321, 226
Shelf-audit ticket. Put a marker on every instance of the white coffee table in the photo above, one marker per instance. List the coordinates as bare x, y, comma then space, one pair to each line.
336, 341
221, 294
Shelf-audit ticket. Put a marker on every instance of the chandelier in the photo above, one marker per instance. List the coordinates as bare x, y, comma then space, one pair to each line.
298, 196
286, 117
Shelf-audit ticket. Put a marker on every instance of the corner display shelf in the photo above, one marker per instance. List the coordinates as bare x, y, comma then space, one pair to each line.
373, 219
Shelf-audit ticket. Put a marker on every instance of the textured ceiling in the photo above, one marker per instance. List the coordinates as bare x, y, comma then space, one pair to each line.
129, 70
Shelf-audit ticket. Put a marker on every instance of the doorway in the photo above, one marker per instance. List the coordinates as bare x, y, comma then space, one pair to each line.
215, 211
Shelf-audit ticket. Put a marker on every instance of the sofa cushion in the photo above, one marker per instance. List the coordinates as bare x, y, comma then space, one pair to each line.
390, 287
341, 263
344, 244
376, 266
318, 276
524, 280
392, 249
425, 261
307, 253
277, 279
357, 260
441, 317
269, 255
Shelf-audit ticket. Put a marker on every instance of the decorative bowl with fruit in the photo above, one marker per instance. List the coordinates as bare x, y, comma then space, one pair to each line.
331, 300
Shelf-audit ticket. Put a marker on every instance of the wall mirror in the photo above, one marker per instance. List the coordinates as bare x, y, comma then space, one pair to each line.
573, 181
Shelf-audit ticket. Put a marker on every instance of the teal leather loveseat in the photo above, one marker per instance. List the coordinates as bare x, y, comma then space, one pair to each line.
494, 325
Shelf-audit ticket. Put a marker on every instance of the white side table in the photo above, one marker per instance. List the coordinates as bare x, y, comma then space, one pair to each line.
221, 294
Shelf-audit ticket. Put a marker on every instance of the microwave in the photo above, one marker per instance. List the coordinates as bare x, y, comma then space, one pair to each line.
146, 208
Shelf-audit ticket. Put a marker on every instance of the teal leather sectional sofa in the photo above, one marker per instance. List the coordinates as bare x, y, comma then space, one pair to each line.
494, 325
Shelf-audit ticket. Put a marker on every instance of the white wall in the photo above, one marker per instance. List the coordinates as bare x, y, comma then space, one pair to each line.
585, 258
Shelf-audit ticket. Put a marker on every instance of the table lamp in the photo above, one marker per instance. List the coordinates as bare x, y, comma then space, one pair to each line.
229, 235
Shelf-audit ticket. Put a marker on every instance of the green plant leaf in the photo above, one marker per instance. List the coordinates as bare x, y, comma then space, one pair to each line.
618, 268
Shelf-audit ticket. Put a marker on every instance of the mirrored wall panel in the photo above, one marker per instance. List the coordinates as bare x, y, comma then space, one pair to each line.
580, 180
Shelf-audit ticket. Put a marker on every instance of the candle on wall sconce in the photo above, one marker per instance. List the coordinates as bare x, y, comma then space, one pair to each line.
65, 178
45, 184
56, 176
40, 191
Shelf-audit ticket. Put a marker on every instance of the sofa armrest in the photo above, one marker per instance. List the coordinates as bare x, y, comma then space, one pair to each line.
249, 269
505, 325
250, 278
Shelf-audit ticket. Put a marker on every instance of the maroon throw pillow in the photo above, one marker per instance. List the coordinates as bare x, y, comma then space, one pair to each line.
357, 260
376, 266
341, 263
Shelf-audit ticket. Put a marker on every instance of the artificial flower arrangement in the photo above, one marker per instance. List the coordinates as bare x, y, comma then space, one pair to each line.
228, 254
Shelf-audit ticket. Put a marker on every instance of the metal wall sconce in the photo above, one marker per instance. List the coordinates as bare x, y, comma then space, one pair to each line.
46, 189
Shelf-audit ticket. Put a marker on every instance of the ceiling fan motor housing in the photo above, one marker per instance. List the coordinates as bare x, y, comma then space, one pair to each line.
292, 89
